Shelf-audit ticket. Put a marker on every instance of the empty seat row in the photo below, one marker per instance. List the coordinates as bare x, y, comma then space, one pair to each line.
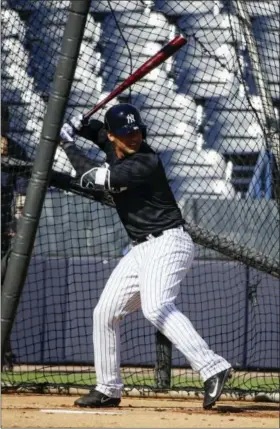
12, 26
175, 7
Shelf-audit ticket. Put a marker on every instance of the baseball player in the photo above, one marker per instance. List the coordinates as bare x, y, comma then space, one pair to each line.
149, 275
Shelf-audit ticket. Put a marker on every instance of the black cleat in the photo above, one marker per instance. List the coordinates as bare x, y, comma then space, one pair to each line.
95, 399
213, 388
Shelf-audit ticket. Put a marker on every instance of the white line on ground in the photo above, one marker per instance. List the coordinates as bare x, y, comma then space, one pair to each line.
62, 411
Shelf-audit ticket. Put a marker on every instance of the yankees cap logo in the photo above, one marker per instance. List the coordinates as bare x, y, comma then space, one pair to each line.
130, 118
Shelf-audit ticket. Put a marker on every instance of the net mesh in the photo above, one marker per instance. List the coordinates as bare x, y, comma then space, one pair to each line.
207, 118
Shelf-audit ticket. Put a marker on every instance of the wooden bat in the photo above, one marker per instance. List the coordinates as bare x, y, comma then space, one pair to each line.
169, 49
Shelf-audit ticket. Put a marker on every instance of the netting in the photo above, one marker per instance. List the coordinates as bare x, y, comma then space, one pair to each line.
208, 115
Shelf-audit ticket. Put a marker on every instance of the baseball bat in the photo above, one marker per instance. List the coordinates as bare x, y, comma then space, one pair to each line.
167, 51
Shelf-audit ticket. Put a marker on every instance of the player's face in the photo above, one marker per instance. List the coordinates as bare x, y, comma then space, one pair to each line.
127, 144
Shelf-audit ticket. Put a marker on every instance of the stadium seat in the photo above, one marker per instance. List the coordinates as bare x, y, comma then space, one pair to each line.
265, 24
31, 5
191, 59
50, 33
136, 19
167, 117
183, 156
138, 35
89, 59
175, 7
159, 100
209, 29
19, 77
199, 187
79, 97
11, 25
44, 17
156, 81
92, 32
171, 142
200, 85
103, 6
135, 58
263, 8
271, 68
9, 93
13, 52
232, 125
194, 170
274, 89
233, 145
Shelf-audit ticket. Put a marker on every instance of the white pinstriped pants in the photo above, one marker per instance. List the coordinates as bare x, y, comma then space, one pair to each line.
149, 276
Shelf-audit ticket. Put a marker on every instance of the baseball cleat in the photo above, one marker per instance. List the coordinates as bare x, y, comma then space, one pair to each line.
95, 399
213, 388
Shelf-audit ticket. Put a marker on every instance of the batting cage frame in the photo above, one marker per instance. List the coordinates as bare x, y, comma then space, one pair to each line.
204, 76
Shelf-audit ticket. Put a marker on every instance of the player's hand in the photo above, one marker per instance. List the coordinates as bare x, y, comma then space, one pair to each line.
78, 122
67, 133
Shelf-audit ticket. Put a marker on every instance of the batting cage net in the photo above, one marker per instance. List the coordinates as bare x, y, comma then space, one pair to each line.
212, 114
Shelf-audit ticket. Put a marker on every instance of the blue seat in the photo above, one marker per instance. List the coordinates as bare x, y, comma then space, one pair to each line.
175, 7
263, 8
22, 5
210, 29
184, 188
31, 5
199, 84
48, 33
103, 6
274, 89
88, 58
11, 25
188, 62
92, 31
158, 100
265, 24
79, 97
44, 17
9, 94
170, 141
271, 68
13, 52
194, 170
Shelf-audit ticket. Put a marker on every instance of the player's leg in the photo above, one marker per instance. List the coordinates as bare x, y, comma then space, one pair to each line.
164, 265
119, 297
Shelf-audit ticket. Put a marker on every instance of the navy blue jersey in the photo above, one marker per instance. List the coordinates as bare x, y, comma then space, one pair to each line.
147, 206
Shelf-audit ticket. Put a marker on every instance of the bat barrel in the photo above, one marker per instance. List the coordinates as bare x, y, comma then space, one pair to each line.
169, 49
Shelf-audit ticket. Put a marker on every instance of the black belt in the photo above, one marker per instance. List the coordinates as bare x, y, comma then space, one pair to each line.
153, 235
147, 238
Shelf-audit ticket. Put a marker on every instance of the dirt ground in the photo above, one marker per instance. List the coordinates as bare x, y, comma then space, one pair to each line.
45, 411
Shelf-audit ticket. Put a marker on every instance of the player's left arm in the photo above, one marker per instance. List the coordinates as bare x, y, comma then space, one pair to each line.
133, 171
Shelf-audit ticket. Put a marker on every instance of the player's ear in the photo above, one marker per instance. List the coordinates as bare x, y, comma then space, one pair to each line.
111, 137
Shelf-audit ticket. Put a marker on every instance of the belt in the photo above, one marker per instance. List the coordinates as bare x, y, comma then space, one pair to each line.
153, 235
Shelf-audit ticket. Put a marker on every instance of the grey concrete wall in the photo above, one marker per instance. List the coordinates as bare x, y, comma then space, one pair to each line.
54, 320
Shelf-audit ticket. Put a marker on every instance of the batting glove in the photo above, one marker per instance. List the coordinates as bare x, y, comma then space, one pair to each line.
78, 122
67, 133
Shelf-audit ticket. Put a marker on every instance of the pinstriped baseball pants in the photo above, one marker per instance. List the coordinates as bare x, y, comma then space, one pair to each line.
149, 277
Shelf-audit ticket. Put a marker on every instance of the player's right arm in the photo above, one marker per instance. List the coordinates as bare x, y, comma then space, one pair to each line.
92, 130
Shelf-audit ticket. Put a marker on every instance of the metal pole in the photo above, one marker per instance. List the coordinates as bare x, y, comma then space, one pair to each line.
163, 361
24, 241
